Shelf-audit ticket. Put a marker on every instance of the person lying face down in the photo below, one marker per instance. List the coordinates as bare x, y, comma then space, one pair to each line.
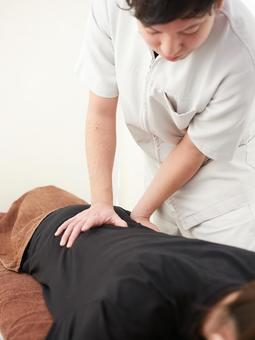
130, 283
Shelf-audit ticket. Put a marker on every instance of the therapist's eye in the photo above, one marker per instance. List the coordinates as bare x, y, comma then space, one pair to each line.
192, 30
152, 33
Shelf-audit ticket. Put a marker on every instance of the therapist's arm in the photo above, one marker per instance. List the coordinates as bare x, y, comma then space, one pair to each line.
175, 171
100, 147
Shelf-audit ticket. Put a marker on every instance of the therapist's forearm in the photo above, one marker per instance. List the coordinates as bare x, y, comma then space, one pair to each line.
100, 149
175, 171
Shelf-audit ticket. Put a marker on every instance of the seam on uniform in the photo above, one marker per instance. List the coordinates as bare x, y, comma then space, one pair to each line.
237, 34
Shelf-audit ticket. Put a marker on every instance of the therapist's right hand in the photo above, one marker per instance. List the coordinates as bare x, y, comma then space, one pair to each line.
97, 215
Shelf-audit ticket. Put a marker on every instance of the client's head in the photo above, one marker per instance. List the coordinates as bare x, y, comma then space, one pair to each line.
233, 317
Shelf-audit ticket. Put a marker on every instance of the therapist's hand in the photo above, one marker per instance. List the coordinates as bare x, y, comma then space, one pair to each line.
144, 220
96, 215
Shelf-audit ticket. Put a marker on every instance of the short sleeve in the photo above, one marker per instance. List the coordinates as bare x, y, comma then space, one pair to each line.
219, 129
95, 66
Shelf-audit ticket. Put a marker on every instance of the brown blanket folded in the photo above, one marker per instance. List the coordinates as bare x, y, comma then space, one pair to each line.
23, 313
19, 223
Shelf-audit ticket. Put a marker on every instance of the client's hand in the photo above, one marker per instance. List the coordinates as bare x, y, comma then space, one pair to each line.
96, 215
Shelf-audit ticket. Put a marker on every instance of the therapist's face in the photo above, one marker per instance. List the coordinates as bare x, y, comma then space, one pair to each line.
177, 39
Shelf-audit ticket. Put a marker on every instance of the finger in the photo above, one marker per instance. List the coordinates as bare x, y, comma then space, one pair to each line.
68, 222
150, 226
88, 224
66, 234
73, 236
63, 226
119, 222
153, 227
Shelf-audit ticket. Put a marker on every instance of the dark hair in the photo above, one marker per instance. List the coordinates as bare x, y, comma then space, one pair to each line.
242, 311
154, 12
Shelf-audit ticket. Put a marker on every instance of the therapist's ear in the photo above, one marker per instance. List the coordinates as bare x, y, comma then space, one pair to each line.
218, 5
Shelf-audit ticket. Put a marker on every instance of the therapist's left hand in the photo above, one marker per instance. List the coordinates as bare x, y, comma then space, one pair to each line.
144, 221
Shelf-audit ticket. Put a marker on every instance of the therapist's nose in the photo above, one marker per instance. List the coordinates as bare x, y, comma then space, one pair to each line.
170, 47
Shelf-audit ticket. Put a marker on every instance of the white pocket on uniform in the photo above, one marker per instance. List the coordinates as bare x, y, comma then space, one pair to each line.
181, 119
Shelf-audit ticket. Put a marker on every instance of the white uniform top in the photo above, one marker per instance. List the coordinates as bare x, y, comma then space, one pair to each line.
210, 94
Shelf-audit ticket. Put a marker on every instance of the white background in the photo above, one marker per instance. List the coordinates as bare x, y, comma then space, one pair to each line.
43, 104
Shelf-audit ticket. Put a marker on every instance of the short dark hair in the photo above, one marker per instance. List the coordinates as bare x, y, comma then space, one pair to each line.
154, 12
242, 311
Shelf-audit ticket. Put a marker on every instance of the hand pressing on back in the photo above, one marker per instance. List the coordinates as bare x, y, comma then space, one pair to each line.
97, 215
144, 220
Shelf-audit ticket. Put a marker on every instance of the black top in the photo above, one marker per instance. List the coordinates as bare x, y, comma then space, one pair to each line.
149, 285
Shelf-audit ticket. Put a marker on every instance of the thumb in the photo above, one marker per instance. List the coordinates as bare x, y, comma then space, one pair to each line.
117, 221
152, 226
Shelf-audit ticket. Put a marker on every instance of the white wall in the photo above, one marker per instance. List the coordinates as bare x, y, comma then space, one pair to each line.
42, 103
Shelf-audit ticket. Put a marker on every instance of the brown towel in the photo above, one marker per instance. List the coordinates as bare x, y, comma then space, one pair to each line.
23, 313
21, 220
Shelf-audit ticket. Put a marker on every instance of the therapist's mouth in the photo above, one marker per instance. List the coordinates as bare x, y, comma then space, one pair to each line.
173, 58
181, 56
